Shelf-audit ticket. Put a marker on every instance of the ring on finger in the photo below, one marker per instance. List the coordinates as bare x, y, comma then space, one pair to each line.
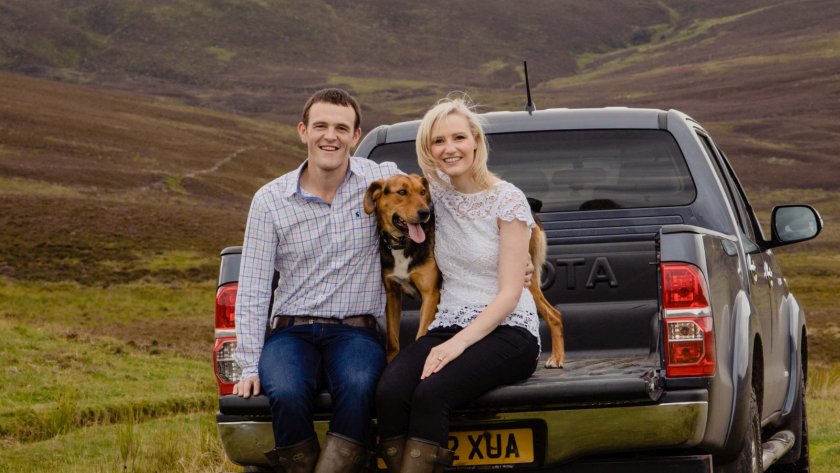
440, 358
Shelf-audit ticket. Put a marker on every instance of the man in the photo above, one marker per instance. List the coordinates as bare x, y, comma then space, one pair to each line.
309, 226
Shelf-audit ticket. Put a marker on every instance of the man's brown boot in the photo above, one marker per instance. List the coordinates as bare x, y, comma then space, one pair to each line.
341, 455
391, 451
298, 458
424, 456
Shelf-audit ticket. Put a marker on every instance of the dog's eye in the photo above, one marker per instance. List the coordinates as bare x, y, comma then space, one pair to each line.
423, 192
402, 192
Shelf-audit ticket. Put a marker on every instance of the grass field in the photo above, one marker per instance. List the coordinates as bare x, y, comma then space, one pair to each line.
107, 379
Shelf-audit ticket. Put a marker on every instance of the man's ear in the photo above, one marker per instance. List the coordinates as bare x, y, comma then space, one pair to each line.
372, 194
357, 134
301, 129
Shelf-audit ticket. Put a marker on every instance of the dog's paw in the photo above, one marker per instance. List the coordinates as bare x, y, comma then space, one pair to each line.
554, 362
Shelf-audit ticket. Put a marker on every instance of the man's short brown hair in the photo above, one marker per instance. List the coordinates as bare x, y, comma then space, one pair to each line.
336, 97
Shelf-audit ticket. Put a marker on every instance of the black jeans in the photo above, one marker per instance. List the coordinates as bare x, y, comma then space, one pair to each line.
405, 405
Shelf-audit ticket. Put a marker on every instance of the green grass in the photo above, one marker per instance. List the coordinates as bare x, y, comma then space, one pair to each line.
373, 86
824, 417
222, 54
66, 381
30, 187
62, 55
74, 306
179, 260
180, 444
594, 64
492, 66
108, 379
176, 184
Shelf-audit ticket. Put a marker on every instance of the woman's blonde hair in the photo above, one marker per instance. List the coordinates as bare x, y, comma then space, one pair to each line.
460, 105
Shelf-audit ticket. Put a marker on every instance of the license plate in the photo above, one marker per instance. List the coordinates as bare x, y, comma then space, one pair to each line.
492, 447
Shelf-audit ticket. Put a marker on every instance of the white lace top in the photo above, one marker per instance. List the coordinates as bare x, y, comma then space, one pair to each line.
467, 253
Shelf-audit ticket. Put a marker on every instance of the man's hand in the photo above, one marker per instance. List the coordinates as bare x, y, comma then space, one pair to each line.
529, 271
245, 387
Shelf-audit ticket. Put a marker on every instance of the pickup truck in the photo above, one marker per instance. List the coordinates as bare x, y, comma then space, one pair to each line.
686, 350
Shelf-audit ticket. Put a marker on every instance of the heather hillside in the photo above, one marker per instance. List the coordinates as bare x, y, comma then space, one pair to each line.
130, 129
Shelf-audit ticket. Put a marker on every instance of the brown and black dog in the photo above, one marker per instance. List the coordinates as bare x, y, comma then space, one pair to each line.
402, 206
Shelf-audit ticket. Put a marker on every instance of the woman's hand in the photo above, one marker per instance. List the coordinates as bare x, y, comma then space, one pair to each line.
529, 273
442, 355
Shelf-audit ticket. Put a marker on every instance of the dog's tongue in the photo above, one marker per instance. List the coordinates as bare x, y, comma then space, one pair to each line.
416, 233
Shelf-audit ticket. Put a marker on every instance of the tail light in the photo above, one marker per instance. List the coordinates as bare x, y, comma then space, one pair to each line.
226, 306
687, 319
227, 370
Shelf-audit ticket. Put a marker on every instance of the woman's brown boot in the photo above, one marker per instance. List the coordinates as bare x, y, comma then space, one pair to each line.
424, 456
391, 451
298, 458
342, 455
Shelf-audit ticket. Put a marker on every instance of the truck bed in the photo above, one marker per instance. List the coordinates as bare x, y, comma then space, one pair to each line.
582, 381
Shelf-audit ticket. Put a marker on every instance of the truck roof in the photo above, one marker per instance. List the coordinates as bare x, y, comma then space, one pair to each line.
549, 119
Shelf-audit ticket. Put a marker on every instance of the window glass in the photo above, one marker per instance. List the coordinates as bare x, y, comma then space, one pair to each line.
741, 214
748, 210
582, 170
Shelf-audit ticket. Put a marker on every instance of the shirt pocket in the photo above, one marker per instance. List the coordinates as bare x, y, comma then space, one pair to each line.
360, 231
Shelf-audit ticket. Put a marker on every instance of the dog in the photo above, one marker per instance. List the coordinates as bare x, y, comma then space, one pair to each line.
402, 205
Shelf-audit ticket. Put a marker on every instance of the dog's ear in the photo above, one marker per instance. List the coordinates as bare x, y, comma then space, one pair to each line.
372, 194
428, 189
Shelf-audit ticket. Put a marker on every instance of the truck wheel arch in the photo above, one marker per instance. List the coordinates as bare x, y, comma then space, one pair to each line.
747, 371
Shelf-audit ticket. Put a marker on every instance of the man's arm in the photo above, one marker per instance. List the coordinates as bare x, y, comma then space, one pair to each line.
256, 271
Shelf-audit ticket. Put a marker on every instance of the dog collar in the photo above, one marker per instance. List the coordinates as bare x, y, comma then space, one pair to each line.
399, 244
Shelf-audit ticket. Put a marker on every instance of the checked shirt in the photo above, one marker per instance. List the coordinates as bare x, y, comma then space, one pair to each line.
326, 256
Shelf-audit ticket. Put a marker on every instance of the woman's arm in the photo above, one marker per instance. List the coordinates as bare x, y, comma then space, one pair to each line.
513, 249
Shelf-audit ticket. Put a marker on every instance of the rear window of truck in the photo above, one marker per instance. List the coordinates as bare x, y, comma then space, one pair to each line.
581, 169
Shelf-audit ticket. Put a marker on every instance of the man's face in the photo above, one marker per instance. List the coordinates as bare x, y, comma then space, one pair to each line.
329, 135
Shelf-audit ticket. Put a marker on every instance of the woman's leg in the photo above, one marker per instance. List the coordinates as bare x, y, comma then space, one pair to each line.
506, 355
396, 386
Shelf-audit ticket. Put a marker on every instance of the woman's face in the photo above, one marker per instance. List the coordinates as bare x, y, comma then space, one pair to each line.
453, 146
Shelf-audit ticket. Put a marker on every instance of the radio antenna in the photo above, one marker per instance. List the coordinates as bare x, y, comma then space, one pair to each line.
529, 107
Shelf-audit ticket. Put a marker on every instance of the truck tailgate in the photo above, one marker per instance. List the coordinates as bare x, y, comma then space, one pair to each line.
582, 380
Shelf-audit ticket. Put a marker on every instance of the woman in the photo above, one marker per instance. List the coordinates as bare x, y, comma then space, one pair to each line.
485, 333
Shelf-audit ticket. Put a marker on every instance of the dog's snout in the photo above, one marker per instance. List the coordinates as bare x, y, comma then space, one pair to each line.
423, 214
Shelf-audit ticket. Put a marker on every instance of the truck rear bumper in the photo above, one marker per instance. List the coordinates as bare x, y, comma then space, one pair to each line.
676, 422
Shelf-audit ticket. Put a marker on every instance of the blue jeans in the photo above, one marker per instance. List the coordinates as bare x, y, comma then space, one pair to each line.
298, 362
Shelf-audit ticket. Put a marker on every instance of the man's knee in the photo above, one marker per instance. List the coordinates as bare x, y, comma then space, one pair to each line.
287, 394
359, 384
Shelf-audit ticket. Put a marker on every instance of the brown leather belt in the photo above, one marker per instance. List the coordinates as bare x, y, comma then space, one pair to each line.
364, 321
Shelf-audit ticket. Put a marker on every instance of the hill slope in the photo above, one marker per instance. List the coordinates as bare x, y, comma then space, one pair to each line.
185, 108
96, 186
264, 56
